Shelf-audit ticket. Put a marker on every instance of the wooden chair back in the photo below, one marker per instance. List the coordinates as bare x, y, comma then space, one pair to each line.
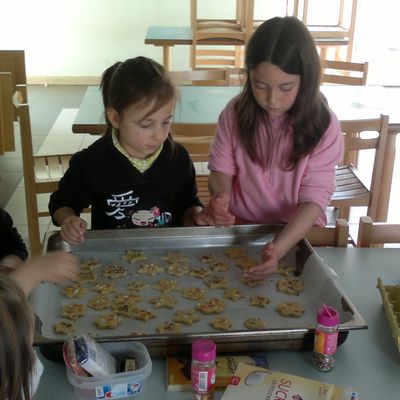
376, 233
14, 61
205, 57
199, 77
6, 113
41, 175
350, 188
329, 236
197, 139
344, 72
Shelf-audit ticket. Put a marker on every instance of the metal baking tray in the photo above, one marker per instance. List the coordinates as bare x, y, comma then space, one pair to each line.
321, 285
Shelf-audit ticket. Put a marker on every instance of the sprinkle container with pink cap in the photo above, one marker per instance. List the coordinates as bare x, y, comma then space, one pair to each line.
326, 336
203, 366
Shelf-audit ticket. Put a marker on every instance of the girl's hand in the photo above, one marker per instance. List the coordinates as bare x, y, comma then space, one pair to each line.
73, 230
53, 267
269, 265
217, 212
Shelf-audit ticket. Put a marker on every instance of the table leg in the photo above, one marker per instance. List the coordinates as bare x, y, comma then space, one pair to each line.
387, 174
167, 57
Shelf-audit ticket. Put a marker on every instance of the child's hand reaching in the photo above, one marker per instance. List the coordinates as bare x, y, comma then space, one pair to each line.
73, 229
269, 265
53, 267
217, 212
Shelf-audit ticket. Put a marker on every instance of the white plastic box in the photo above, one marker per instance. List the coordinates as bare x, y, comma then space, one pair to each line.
123, 385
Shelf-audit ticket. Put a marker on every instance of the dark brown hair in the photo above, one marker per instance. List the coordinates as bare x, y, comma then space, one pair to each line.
140, 81
286, 43
16, 355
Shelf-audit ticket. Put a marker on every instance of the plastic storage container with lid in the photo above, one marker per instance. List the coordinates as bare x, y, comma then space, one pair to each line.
123, 385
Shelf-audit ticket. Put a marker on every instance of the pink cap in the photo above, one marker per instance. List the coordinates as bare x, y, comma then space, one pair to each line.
204, 350
328, 316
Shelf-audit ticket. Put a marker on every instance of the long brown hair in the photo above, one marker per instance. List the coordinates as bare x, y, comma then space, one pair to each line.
16, 355
139, 81
286, 43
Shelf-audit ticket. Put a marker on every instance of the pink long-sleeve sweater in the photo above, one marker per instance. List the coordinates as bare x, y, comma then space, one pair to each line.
271, 195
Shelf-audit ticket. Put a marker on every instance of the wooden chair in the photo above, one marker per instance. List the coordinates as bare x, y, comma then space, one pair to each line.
6, 113
350, 189
332, 236
41, 174
197, 139
344, 72
207, 77
234, 28
340, 32
205, 57
14, 61
376, 233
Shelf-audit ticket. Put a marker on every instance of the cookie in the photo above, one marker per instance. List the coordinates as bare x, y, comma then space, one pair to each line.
150, 269
252, 282
90, 264
134, 255
193, 293
73, 311
126, 309
99, 302
285, 270
206, 258
259, 301
107, 321
219, 266
175, 257
187, 317
245, 262
115, 271
168, 327
166, 285
86, 276
137, 286
255, 324
178, 269
127, 298
216, 282
163, 302
292, 286
64, 327
143, 314
235, 252
290, 309
211, 306
104, 288
233, 294
199, 272
73, 291
221, 323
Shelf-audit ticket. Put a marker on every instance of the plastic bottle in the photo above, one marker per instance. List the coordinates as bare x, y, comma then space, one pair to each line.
203, 366
326, 335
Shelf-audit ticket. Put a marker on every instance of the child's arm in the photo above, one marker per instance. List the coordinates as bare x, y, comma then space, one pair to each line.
295, 230
217, 211
53, 267
73, 228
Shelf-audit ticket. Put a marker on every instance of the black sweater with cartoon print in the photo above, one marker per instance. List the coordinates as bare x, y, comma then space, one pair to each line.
122, 197
11, 242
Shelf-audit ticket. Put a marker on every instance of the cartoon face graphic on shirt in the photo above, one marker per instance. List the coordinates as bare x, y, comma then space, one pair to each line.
152, 217
143, 218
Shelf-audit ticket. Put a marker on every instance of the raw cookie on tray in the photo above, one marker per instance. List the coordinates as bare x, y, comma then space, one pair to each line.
221, 323
73, 311
187, 317
290, 309
108, 321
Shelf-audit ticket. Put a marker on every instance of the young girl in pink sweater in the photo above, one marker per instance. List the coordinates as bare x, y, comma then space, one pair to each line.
277, 143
